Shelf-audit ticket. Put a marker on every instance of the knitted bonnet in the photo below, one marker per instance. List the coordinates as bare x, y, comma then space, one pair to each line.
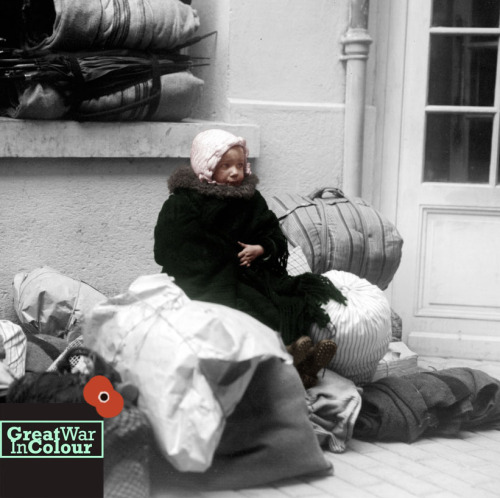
207, 149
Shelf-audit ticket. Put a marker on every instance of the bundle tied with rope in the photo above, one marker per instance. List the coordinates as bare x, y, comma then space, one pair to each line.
101, 24
337, 232
115, 85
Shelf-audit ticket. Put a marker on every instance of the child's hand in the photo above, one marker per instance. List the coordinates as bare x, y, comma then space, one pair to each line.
249, 253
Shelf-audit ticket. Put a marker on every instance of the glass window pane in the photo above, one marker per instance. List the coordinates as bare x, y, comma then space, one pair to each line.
465, 13
462, 70
458, 148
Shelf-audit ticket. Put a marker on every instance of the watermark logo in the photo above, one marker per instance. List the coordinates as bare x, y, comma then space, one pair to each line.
51, 439
99, 393
37, 438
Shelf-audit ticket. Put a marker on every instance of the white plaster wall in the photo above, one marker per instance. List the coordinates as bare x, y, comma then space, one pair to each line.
287, 50
273, 64
90, 219
282, 67
301, 145
214, 17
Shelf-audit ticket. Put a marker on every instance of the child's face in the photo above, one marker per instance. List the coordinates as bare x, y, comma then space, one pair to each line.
231, 167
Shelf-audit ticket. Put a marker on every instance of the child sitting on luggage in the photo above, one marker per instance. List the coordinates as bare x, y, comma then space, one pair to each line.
217, 237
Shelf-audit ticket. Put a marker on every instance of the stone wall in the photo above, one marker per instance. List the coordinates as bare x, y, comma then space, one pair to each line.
84, 199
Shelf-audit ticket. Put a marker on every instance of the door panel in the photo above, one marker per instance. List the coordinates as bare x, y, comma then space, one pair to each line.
447, 289
461, 286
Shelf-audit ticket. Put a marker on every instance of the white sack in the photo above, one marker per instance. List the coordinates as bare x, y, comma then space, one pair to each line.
190, 360
14, 345
48, 302
362, 329
6, 378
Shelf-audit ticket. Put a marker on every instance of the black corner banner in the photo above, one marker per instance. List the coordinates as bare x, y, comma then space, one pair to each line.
51, 450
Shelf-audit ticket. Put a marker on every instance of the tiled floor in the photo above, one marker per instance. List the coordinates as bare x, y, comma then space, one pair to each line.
466, 466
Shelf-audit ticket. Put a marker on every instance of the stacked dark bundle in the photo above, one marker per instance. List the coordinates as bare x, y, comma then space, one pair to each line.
100, 62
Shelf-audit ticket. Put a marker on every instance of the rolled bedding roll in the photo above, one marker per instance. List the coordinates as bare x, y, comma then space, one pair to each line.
135, 24
178, 95
176, 99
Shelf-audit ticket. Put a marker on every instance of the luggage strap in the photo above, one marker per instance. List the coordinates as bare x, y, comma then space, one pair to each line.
315, 198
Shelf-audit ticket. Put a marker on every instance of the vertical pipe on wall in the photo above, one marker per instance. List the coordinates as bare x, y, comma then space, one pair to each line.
356, 45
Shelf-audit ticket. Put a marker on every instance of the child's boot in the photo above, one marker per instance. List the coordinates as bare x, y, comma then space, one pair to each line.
323, 353
317, 359
300, 349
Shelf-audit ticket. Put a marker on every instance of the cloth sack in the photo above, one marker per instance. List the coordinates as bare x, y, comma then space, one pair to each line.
362, 329
334, 405
14, 346
267, 438
6, 379
48, 302
138, 24
178, 95
191, 362
339, 233
29, 100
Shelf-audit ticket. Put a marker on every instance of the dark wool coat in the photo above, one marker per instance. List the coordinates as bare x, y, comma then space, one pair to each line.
196, 242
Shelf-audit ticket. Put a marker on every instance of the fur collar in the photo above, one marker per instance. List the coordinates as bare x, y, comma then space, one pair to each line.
185, 177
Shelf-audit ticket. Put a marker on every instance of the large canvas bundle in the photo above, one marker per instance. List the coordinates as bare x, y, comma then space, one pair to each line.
269, 437
338, 233
99, 85
361, 328
173, 101
48, 302
12, 350
137, 24
191, 362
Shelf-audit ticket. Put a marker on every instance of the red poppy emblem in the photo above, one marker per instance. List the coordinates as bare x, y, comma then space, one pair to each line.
99, 392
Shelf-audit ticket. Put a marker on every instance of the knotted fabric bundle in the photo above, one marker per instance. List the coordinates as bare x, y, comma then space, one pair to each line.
135, 24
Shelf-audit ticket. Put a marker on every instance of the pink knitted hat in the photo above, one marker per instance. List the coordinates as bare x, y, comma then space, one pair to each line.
207, 149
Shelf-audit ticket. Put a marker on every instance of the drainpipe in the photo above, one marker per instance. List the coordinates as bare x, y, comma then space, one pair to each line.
356, 44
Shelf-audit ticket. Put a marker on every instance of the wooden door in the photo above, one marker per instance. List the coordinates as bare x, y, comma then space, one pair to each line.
447, 289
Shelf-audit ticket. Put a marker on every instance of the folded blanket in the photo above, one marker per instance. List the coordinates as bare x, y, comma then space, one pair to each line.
76, 25
42, 350
482, 406
334, 405
430, 403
